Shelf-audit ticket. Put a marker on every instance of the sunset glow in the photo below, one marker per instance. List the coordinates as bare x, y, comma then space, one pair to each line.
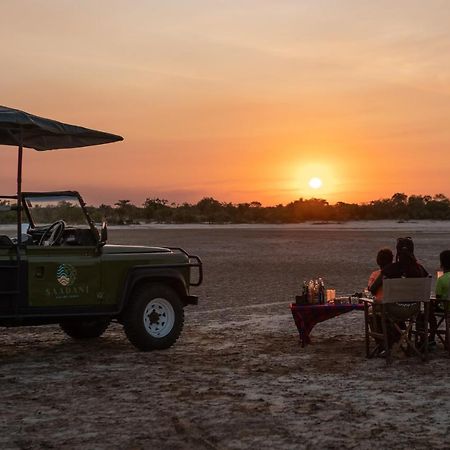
241, 101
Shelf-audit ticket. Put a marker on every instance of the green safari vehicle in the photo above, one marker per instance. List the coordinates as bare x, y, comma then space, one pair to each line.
59, 268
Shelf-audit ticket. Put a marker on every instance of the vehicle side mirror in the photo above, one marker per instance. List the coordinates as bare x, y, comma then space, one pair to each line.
104, 233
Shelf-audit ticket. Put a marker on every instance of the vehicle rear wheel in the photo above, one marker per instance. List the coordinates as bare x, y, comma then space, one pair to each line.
87, 328
154, 318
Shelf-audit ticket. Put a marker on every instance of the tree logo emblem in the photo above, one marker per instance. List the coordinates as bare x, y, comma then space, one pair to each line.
66, 275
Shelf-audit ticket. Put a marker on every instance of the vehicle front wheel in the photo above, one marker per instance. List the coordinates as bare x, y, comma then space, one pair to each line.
154, 317
86, 328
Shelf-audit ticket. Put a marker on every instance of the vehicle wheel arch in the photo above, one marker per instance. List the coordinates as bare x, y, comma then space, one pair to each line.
138, 278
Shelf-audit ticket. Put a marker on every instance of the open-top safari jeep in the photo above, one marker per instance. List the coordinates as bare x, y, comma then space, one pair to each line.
59, 268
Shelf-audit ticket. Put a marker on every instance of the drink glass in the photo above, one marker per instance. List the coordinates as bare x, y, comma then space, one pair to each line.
331, 295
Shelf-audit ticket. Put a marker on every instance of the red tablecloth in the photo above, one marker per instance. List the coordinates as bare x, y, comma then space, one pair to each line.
306, 316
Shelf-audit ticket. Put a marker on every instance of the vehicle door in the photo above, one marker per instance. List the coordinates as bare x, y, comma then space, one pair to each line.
63, 276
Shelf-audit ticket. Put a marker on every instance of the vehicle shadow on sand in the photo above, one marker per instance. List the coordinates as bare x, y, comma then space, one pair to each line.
36, 345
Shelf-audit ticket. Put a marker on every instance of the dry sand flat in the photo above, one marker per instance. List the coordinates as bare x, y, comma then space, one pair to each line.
237, 378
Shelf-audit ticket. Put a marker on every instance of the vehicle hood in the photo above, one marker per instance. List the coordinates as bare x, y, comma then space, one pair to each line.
120, 249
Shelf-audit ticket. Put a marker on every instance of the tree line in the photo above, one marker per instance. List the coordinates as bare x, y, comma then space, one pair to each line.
209, 210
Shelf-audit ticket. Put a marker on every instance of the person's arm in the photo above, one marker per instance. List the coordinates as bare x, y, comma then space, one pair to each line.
376, 284
439, 288
372, 278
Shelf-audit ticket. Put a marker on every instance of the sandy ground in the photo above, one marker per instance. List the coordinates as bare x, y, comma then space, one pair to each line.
237, 378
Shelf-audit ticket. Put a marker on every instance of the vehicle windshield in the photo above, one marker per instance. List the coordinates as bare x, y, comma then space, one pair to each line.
45, 210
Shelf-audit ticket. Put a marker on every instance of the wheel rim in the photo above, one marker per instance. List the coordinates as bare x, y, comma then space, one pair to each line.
159, 317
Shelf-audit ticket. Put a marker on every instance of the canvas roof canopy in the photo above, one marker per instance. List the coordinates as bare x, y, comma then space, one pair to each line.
23, 129
20, 128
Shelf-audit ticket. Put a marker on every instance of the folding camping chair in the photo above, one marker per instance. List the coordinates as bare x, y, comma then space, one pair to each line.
396, 315
443, 319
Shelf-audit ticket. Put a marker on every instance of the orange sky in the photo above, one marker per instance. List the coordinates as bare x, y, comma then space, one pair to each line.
240, 100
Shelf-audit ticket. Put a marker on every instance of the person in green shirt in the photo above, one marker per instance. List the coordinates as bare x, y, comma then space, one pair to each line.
442, 292
443, 283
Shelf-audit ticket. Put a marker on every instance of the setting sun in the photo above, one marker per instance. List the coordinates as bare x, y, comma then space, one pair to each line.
315, 183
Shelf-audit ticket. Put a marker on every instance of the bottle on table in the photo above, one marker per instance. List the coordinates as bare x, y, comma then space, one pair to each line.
305, 292
311, 292
321, 294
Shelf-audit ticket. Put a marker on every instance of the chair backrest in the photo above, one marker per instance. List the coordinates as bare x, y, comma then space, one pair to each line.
406, 290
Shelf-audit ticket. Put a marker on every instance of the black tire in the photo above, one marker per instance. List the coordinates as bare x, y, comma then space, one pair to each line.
154, 317
86, 328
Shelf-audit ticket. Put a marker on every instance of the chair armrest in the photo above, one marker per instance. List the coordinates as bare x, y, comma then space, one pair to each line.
370, 301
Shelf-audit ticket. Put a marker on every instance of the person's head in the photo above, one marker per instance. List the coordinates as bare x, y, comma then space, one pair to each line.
405, 244
445, 260
384, 257
405, 253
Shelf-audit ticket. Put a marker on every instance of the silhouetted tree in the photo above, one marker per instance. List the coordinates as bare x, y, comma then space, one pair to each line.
157, 209
124, 209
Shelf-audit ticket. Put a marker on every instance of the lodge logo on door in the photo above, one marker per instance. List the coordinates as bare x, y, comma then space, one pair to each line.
66, 275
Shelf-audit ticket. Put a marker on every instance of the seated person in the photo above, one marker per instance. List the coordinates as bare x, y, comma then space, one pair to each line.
443, 282
384, 258
407, 266
442, 291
